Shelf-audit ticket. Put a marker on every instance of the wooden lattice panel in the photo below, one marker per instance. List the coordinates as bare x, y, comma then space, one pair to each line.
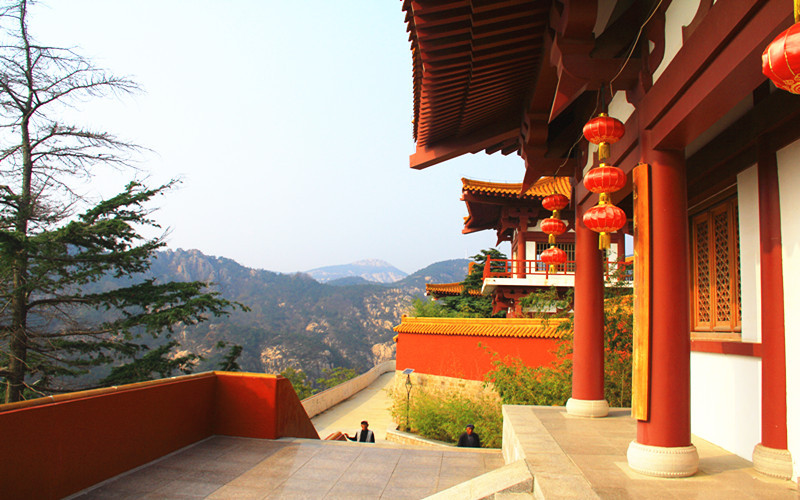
722, 271
702, 274
716, 295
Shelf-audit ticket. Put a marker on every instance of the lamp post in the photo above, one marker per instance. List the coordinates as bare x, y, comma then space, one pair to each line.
407, 372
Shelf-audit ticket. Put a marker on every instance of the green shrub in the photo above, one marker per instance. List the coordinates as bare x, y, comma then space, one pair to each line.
552, 385
443, 415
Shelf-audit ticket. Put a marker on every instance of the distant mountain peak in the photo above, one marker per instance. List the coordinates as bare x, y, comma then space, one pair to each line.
371, 263
374, 270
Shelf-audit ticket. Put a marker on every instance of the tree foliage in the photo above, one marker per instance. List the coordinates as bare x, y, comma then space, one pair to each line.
154, 362
442, 415
552, 385
464, 305
305, 387
56, 243
300, 382
335, 376
230, 360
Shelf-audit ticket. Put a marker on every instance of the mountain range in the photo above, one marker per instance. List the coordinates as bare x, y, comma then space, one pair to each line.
373, 270
295, 320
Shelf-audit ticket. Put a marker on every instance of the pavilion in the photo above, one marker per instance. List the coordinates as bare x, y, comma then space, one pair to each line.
711, 161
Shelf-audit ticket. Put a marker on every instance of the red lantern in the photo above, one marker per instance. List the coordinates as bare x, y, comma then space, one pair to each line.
554, 256
605, 179
604, 218
603, 130
555, 202
553, 227
780, 61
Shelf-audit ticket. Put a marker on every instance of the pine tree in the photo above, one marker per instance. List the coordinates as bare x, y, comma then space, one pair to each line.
55, 243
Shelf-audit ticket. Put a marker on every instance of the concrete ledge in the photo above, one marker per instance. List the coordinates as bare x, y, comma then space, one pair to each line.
396, 436
510, 479
320, 402
555, 475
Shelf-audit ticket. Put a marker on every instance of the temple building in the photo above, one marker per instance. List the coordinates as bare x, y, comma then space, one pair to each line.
685, 136
517, 218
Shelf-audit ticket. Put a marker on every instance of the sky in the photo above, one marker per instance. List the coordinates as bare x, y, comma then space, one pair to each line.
288, 123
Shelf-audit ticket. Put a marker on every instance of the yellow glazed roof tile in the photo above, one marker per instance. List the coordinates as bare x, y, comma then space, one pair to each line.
448, 289
485, 327
543, 187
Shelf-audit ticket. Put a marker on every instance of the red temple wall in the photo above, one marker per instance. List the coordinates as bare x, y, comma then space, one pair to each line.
54, 447
460, 356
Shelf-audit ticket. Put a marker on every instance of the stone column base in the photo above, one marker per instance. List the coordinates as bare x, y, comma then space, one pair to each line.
587, 407
662, 461
772, 462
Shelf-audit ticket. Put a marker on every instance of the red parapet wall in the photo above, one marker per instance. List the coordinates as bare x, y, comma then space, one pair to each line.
53, 447
461, 356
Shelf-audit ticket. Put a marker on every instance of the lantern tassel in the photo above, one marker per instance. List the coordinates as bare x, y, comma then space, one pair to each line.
603, 151
552, 268
551, 239
604, 241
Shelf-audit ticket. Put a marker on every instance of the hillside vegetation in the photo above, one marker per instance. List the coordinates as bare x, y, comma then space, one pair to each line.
295, 321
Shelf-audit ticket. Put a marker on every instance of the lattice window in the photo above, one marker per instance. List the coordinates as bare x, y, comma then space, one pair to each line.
716, 293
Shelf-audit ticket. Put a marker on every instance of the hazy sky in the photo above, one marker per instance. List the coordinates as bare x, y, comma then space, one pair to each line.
288, 121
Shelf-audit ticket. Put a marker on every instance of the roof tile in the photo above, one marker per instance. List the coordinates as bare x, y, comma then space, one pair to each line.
543, 187
485, 327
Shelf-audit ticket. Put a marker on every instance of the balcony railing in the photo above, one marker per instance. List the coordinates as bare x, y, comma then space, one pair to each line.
510, 268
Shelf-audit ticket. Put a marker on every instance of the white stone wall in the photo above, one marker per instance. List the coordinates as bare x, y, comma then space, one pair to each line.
789, 178
316, 404
749, 254
530, 250
726, 396
678, 15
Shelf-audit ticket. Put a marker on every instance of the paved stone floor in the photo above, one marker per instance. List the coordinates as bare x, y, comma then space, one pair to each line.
599, 446
228, 467
224, 467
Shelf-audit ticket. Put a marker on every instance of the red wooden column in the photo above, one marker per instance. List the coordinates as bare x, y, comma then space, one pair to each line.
663, 445
588, 398
771, 456
523, 228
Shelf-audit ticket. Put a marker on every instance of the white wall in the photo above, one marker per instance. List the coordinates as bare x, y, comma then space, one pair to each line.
749, 254
678, 15
530, 250
789, 178
726, 401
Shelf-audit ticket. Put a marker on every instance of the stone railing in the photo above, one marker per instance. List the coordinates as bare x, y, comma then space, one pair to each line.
321, 401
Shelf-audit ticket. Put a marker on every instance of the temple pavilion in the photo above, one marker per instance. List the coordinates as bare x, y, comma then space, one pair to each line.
687, 138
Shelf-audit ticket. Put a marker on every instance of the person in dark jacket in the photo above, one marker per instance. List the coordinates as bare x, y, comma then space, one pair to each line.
363, 436
469, 439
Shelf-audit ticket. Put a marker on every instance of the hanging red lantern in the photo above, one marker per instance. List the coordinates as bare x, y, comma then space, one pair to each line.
603, 130
553, 227
555, 202
554, 256
780, 61
605, 179
604, 218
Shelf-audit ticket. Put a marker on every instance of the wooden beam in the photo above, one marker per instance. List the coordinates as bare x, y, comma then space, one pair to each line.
713, 71
427, 156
